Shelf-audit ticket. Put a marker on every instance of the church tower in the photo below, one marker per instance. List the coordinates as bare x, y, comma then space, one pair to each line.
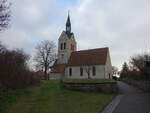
66, 44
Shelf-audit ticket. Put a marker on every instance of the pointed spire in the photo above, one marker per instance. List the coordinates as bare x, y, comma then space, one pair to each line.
68, 24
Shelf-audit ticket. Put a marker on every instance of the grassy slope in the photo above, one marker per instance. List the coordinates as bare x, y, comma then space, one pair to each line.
51, 98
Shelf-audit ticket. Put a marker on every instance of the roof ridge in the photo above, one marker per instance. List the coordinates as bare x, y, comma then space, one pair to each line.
92, 49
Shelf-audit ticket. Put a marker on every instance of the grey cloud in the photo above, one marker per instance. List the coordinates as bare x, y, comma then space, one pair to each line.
122, 25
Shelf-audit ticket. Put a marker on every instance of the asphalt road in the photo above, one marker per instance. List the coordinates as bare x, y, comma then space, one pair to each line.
133, 100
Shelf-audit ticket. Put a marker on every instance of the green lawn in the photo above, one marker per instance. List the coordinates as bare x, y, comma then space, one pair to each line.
51, 98
88, 80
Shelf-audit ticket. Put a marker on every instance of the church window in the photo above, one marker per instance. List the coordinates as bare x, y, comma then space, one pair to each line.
64, 45
70, 71
109, 75
81, 71
94, 71
61, 46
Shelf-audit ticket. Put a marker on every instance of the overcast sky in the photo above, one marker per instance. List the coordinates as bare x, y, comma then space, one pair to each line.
121, 25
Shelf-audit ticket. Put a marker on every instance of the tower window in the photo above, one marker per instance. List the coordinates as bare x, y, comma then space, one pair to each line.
94, 71
81, 71
64, 45
70, 71
72, 47
61, 46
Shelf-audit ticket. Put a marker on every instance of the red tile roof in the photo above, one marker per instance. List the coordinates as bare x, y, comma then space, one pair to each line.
39, 72
58, 68
88, 57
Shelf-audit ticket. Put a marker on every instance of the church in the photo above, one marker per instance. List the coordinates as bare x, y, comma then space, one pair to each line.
70, 63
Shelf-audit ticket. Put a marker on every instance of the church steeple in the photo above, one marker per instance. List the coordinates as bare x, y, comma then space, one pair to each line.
68, 25
66, 44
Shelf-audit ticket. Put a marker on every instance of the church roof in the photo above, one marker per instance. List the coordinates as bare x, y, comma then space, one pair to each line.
58, 68
88, 57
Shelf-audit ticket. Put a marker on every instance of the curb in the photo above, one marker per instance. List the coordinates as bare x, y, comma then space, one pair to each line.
112, 105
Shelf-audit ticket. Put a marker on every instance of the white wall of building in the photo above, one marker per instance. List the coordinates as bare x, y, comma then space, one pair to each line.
108, 67
100, 72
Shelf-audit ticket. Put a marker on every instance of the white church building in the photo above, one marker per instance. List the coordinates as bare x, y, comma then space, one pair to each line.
91, 63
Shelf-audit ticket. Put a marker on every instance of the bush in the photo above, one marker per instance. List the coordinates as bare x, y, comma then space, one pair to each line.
14, 72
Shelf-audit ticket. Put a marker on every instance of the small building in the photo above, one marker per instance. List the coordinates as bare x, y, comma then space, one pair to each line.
91, 63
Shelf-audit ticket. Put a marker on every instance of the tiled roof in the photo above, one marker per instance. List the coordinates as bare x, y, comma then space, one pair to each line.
39, 72
88, 57
58, 68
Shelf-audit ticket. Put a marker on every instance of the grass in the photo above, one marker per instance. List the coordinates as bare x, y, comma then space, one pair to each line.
51, 98
88, 80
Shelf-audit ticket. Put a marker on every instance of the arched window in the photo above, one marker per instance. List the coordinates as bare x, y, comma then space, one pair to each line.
70, 71
94, 71
64, 45
81, 71
61, 46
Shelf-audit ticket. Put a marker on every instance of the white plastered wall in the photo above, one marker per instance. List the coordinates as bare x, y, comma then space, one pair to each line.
100, 72
108, 67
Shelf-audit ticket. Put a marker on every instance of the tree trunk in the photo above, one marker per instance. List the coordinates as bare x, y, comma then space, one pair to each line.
45, 73
88, 75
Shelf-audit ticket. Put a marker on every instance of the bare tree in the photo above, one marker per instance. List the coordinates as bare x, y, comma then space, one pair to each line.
87, 70
2, 48
4, 14
45, 55
139, 62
